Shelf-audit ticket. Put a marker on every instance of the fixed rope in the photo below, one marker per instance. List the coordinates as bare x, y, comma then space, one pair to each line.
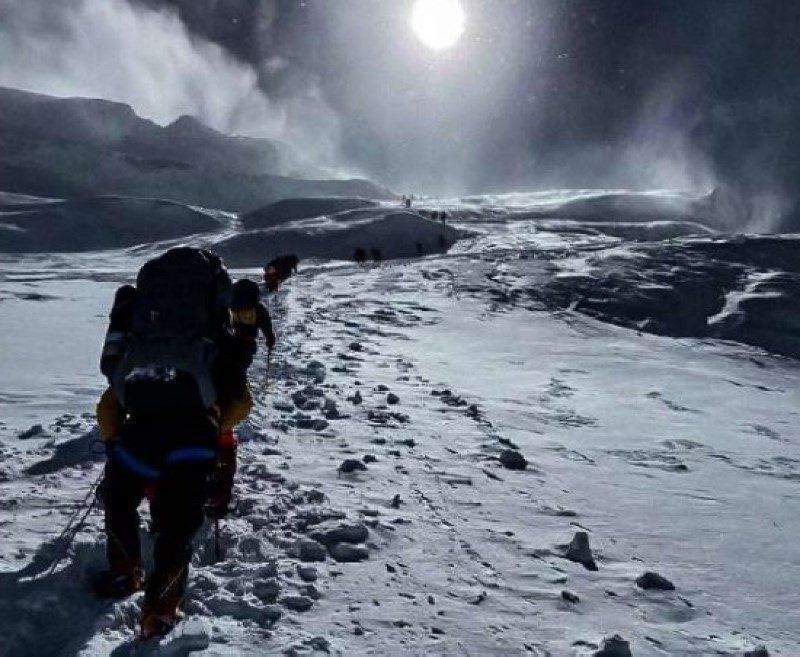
75, 523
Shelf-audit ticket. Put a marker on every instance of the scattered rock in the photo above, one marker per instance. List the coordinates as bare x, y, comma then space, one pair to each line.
35, 430
513, 460
580, 552
309, 550
369, 458
283, 405
761, 651
346, 553
193, 635
481, 597
307, 573
569, 596
392, 399
266, 590
298, 602
315, 496
310, 591
315, 424
340, 533
453, 400
251, 548
316, 370
304, 402
614, 646
396, 501
330, 410
382, 388
654, 581
320, 643
271, 613
507, 443
356, 399
351, 465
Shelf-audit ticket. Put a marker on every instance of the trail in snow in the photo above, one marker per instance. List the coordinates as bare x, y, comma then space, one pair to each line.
675, 456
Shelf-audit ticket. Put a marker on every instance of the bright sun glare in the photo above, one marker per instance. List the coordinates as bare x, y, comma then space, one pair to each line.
439, 24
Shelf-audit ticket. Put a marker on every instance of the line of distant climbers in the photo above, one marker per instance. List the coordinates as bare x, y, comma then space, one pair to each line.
278, 270
362, 255
441, 216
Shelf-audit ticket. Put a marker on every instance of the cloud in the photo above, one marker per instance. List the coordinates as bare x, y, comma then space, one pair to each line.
147, 58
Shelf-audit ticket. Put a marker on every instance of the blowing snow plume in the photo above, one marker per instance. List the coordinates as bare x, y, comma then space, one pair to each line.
148, 59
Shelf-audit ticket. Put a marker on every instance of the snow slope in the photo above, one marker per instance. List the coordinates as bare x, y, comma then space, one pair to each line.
105, 222
397, 234
677, 455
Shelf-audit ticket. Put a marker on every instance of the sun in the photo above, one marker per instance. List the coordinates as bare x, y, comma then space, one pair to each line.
439, 24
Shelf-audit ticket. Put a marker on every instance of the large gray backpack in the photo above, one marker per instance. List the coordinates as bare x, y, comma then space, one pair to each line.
179, 318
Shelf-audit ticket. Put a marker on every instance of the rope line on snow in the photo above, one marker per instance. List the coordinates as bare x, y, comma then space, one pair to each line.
76, 522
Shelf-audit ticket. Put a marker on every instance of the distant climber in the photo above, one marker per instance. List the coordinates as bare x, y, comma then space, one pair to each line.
249, 316
408, 201
376, 254
175, 393
278, 270
360, 256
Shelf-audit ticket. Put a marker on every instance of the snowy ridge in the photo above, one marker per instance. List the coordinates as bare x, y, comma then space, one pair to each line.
92, 224
396, 234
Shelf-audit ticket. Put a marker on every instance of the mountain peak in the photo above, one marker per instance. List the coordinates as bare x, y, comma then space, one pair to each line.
190, 126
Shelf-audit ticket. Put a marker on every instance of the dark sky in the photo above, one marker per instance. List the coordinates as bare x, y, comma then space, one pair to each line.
538, 93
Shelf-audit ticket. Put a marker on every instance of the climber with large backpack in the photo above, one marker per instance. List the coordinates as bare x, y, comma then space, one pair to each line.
174, 396
278, 270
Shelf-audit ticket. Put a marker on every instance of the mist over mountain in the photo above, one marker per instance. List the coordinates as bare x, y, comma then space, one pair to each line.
554, 93
619, 93
55, 147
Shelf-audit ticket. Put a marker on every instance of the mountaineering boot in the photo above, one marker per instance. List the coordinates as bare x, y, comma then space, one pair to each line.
160, 615
162, 599
118, 584
157, 625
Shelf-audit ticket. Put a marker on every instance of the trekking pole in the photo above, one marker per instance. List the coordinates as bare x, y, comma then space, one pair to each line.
217, 546
269, 364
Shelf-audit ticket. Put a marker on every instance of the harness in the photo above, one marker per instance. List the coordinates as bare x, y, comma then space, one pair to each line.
180, 455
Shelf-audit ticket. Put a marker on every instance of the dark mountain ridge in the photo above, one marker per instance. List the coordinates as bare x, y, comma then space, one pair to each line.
68, 147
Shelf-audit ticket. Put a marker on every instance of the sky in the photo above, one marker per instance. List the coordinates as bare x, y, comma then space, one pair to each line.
537, 93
